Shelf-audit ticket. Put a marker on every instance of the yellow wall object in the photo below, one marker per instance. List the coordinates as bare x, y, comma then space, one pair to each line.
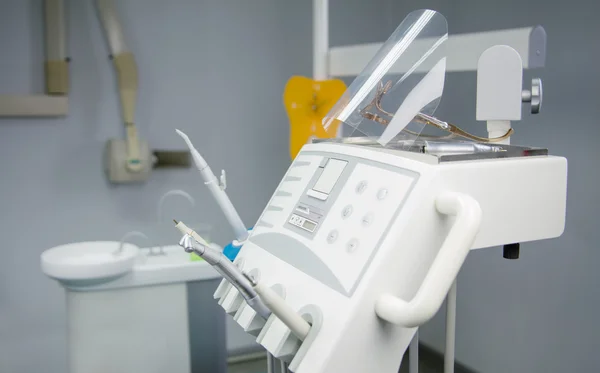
306, 102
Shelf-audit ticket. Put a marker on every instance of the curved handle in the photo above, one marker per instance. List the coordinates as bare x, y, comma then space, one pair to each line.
444, 269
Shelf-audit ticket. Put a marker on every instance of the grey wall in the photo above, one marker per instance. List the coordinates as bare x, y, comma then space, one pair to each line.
539, 313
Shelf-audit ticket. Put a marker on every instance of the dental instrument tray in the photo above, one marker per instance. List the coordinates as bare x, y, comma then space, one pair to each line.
445, 151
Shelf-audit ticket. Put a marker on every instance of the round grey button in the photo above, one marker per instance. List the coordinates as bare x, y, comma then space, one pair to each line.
347, 211
352, 245
367, 219
382, 194
332, 236
361, 187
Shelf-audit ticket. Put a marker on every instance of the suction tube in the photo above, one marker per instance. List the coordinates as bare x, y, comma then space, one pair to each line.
229, 271
211, 181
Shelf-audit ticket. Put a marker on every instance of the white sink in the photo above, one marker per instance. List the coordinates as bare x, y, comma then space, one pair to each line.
88, 262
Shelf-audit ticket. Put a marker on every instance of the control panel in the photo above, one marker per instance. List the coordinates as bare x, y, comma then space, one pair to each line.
360, 214
332, 227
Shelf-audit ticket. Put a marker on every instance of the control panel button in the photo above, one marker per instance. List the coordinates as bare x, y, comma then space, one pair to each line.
352, 245
347, 211
332, 236
297, 220
382, 193
367, 219
361, 187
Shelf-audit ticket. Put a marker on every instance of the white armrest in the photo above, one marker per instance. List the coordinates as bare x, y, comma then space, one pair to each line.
444, 269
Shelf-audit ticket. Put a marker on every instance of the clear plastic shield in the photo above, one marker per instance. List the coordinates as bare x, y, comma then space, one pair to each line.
398, 91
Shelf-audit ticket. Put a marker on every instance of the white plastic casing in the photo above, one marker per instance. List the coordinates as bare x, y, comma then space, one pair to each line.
499, 84
385, 243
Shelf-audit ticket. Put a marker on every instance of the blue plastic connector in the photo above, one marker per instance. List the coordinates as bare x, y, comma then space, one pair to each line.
231, 251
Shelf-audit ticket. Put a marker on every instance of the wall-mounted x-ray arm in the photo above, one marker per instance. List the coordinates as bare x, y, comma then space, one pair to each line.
127, 77
57, 62
55, 102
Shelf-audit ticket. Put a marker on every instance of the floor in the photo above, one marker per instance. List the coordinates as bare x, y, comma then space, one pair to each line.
253, 366
259, 366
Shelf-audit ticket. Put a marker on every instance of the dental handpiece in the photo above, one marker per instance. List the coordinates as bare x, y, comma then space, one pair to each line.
298, 326
229, 271
184, 229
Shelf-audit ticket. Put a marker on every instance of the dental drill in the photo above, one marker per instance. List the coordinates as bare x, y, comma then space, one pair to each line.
229, 271
261, 298
184, 229
262, 302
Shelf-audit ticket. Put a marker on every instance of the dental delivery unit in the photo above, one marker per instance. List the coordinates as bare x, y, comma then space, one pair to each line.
366, 233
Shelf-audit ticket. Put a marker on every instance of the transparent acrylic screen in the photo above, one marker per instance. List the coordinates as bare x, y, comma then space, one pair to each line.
404, 78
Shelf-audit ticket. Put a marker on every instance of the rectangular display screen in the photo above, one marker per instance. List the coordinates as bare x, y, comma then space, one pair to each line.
330, 175
309, 225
